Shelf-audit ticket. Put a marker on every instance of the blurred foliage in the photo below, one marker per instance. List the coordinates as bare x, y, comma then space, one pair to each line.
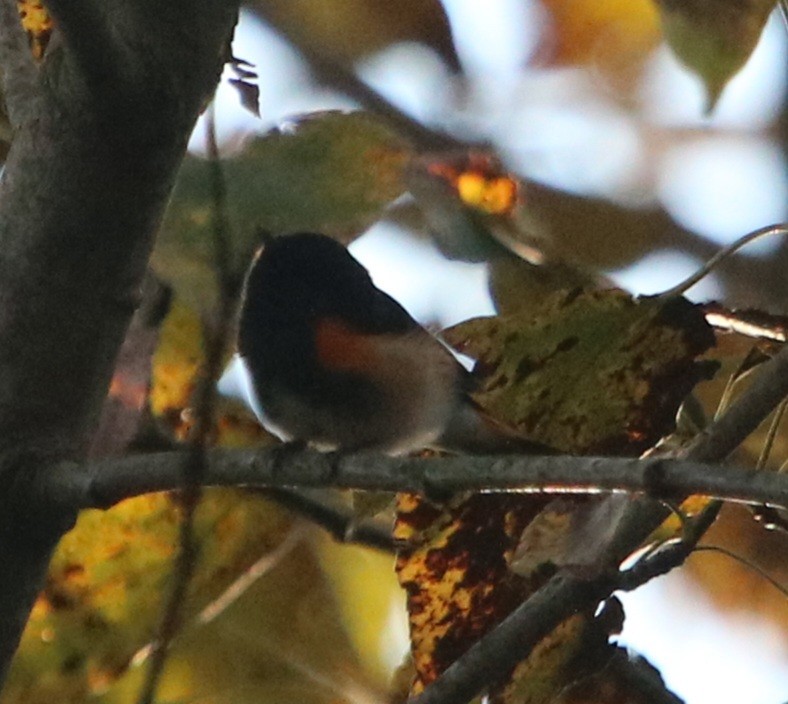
176, 361
283, 640
328, 172
371, 621
589, 372
347, 30
616, 36
737, 587
175, 373
714, 38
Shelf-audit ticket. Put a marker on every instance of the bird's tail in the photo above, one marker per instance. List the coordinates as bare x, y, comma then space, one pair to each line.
473, 431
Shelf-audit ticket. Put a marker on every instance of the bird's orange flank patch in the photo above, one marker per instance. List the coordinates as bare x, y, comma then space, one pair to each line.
341, 349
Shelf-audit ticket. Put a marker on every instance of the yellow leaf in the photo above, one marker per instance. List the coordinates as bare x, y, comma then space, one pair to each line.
108, 579
615, 36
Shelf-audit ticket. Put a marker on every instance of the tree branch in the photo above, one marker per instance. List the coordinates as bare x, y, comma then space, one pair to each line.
102, 484
493, 656
339, 521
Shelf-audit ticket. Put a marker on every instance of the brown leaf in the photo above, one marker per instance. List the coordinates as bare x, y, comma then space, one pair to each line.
571, 533
454, 567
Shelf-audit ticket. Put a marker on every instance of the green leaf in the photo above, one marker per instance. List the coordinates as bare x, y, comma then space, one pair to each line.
714, 38
329, 172
594, 372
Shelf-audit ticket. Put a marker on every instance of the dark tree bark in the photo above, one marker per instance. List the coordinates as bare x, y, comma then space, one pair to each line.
100, 128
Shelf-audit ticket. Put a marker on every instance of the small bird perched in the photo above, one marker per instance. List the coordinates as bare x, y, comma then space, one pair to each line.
338, 363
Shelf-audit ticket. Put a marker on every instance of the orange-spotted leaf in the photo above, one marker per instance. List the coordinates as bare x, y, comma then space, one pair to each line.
37, 24
474, 207
480, 182
455, 566
588, 372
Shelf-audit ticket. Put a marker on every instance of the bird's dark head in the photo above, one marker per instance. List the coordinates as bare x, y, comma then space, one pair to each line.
306, 274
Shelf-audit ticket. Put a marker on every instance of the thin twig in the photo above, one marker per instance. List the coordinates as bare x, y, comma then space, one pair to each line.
723, 436
336, 520
726, 252
771, 434
18, 69
745, 562
673, 554
259, 569
195, 464
337, 76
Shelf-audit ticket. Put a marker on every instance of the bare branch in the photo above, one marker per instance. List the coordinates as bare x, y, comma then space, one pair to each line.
101, 484
217, 334
19, 71
491, 658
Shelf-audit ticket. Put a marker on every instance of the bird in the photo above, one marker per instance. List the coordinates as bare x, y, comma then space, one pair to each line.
340, 365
